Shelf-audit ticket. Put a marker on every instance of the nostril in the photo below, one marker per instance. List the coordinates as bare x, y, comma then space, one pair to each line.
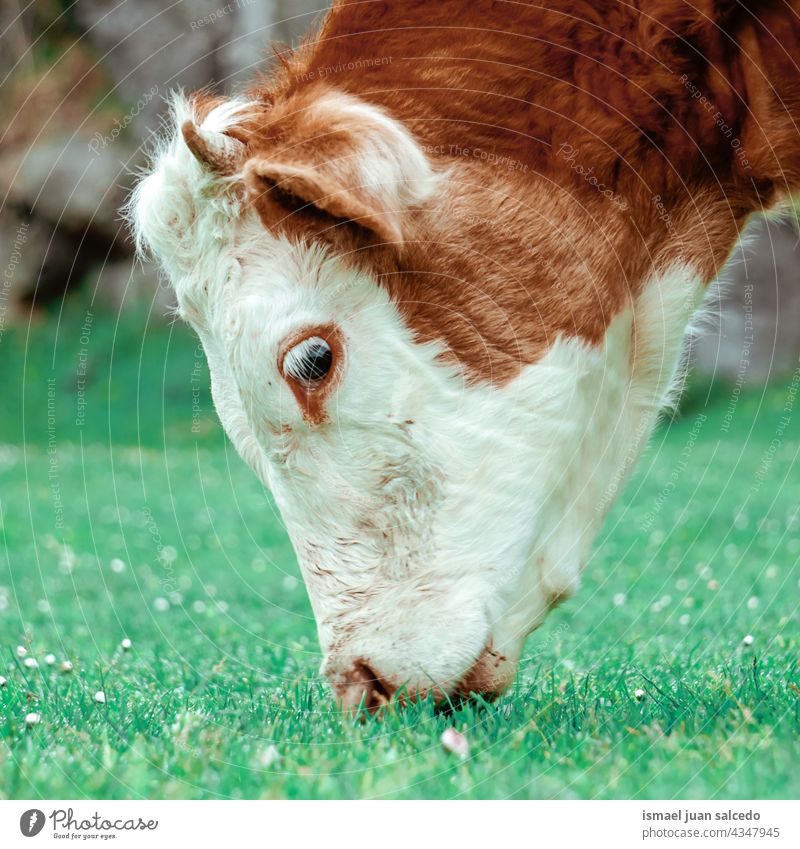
362, 688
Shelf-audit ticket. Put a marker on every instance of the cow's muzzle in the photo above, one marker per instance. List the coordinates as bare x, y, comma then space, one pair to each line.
363, 689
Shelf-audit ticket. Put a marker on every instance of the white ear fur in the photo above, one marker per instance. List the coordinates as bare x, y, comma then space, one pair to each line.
351, 160
389, 161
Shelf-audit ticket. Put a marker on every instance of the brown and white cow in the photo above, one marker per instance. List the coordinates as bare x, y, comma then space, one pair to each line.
442, 264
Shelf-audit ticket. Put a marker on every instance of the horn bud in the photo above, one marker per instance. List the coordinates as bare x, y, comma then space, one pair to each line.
221, 153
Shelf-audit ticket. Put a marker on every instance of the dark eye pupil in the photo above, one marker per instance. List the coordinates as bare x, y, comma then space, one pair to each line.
316, 363
310, 361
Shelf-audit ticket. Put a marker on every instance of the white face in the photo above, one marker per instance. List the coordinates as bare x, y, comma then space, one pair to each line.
435, 520
388, 498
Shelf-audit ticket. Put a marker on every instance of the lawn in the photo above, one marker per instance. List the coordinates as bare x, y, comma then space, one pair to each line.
126, 514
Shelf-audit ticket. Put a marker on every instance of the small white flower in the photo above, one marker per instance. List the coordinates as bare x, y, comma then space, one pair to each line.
748, 639
619, 599
50, 659
199, 606
67, 560
117, 565
455, 742
32, 719
126, 644
639, 694
100, 697
3, 681
66, 666
21, 651
160, 604
713, 584
270, 756
752, 602
168, 554
31, 663
685, 619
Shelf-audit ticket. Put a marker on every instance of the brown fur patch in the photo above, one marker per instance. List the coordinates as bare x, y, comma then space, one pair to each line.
590, 144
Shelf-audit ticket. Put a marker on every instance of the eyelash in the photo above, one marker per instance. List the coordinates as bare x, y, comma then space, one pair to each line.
310, 361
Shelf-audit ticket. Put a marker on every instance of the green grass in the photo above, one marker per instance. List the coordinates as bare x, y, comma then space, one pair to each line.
219, 695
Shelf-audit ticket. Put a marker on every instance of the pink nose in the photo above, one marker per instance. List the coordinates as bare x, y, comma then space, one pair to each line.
362, 689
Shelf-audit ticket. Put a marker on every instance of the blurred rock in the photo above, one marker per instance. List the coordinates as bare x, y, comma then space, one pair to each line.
151, 48
38, 261
66, 196
70, 181
113, 68
16, 41
754, 329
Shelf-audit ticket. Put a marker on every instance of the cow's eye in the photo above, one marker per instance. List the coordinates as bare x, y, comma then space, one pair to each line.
309, 361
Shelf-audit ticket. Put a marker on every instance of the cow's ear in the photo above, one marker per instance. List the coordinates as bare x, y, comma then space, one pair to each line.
298, 188
343, 157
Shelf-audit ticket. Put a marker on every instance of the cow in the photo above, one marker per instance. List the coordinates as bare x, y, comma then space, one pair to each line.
442, 261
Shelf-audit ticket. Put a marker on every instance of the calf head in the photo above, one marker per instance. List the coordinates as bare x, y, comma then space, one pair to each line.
443, 349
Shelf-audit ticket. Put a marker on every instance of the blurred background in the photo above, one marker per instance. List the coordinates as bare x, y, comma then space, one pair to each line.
83, 92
